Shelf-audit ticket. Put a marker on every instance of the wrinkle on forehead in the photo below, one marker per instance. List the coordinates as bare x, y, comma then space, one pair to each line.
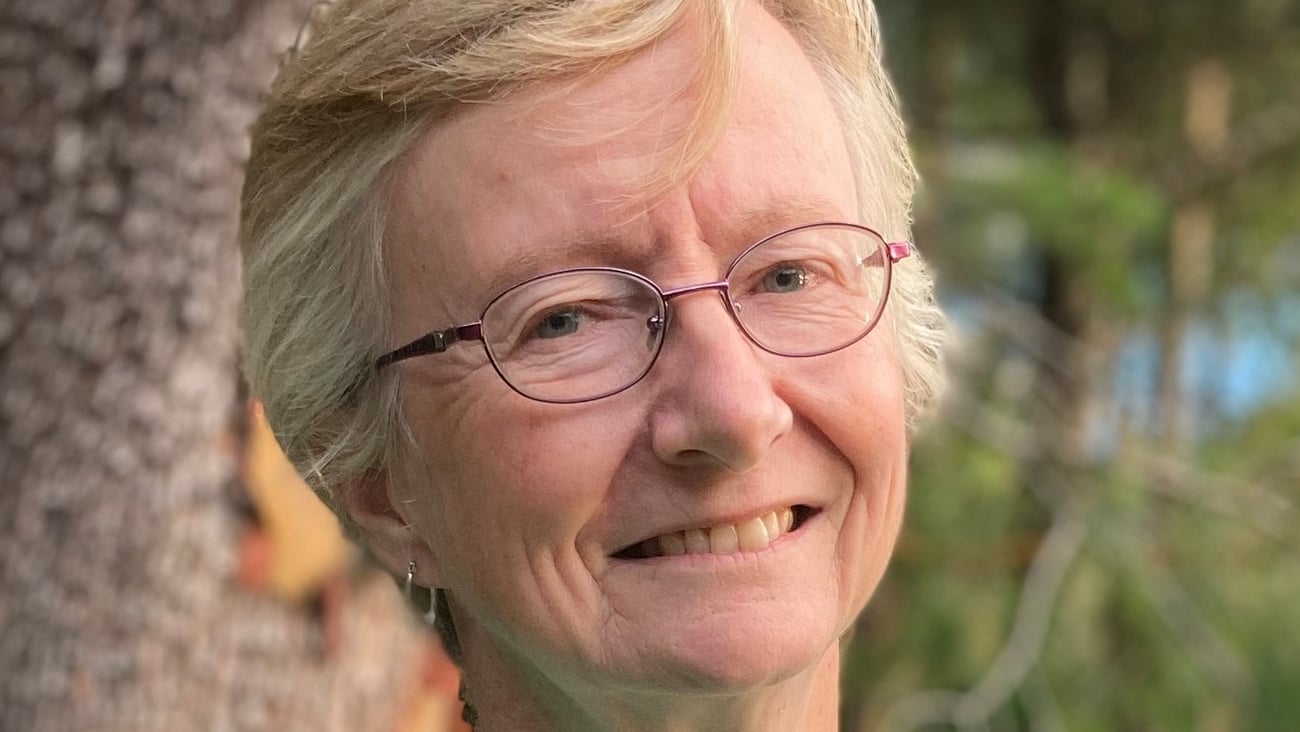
566, 165
635, 113
597, 137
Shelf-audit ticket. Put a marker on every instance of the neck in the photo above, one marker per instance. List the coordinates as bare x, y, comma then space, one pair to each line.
512, 695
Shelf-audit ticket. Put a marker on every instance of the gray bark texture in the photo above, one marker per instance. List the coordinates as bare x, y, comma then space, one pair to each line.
122, 136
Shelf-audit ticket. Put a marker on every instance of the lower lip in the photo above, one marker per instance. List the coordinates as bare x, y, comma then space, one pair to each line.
711, 560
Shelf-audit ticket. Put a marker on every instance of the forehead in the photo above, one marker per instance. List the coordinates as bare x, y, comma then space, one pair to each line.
557, 175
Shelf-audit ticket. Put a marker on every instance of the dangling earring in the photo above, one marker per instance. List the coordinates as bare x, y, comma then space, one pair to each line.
430, 615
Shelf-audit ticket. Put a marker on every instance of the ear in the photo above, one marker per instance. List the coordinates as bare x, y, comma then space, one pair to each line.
388, 535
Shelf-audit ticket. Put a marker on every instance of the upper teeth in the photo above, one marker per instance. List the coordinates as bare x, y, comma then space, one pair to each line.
749, 536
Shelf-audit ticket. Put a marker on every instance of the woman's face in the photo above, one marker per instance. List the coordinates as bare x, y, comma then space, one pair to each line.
525, 506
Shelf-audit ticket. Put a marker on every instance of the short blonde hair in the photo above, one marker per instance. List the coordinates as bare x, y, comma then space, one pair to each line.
377, 74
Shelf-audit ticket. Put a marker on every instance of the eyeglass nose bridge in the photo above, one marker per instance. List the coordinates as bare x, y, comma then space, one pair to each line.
657, 323
721, 286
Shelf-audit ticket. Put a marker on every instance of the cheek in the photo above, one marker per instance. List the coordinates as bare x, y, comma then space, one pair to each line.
854, 400
880, 466
523, 476
874, 429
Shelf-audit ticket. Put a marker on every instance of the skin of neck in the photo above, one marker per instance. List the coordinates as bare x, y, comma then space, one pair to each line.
510, 693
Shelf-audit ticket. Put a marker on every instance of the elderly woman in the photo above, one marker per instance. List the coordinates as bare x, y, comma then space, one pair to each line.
598, 318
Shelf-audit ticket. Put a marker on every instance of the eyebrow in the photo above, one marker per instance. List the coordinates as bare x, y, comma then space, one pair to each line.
762, 221
603, 247
591, 247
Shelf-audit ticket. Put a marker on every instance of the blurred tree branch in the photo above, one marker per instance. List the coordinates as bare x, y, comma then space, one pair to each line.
1062, 544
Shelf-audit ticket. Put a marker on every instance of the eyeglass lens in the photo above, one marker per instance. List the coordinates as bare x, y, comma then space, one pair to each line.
583, 334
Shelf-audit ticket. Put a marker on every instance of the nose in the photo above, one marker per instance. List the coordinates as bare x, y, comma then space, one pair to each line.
717, 406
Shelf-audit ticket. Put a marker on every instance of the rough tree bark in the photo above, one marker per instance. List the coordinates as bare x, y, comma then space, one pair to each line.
124, 125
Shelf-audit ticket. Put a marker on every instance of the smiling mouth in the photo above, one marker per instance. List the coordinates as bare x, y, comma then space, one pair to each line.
752, 535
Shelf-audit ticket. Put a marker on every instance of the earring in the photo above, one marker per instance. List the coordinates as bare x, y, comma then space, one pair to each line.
430, 616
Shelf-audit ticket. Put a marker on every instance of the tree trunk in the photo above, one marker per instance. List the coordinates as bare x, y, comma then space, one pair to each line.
1206, 119
1071, 99
125, 125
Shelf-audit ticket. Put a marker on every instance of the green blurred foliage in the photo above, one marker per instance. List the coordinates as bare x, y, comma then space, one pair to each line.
1060, 142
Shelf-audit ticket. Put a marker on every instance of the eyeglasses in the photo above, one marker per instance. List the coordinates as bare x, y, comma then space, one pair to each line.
583, 334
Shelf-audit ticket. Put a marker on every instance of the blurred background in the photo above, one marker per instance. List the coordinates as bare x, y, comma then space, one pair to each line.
1102, 529
1102, 521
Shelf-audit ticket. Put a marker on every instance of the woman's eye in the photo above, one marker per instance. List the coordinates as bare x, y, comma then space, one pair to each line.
557, 324
785, 278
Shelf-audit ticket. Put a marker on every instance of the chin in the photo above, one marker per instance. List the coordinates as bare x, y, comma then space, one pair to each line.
733, 654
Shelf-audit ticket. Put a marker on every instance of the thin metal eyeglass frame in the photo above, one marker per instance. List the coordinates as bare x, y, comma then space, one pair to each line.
439, 341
